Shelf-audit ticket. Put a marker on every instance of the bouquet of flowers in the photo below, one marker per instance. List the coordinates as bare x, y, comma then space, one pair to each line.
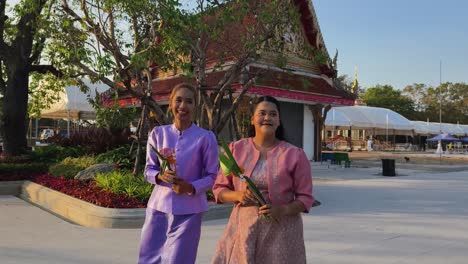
166, 158
229, 166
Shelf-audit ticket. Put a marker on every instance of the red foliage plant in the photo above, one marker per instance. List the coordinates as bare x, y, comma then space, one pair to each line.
87, 191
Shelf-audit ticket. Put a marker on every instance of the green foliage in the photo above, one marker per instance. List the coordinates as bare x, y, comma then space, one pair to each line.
123, 35
25, 31
84, 161
54, 153
123, 182
428, 100
386, 97
320, 57
281, 61
66, 171
15, 159
93, 140
44, 90
22, 168
69, 167
344, 83
113, 118
120, 156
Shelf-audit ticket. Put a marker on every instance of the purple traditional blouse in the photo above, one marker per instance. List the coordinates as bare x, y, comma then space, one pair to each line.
196, 153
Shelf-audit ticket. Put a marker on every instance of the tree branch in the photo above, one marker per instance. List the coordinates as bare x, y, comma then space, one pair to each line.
46, 69
37, 50
229, 76
91, 73
160, 115
234, 105
97, 31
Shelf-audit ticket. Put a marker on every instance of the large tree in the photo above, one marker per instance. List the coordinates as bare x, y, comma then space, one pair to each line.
450, 99
23, 36
126, 44
386, 97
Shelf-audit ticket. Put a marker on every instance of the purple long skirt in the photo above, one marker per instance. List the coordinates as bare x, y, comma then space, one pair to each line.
168, 238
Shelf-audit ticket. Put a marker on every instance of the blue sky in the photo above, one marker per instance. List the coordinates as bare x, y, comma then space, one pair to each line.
397, 42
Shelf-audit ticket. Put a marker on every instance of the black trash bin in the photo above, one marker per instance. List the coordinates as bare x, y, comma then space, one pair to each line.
388, 167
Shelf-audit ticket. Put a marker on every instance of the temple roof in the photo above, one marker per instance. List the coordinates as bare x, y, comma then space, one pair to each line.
303, 86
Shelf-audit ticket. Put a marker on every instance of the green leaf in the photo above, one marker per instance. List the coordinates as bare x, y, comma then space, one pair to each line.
226, 165
256, 192
233, 164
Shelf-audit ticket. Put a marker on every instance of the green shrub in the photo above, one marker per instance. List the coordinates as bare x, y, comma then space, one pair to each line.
66, 171
69, 167
94, 140
54, 153
22, 159
120, 156
123, 182
22, 168
83, 161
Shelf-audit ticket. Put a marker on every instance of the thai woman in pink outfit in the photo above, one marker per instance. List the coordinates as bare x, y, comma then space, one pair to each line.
282, 173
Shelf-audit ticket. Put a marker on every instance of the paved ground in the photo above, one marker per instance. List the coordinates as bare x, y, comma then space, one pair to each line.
421, 216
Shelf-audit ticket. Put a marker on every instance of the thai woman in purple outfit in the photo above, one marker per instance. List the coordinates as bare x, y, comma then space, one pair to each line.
172, 227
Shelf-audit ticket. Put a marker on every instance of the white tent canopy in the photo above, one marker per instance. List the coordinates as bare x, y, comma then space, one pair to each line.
365, 117
433, 128
73, 103
465, 128
339, 120
453, 129
382, 121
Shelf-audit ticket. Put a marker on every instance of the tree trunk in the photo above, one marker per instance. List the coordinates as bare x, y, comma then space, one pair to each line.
15, 105
139, 138
18, 61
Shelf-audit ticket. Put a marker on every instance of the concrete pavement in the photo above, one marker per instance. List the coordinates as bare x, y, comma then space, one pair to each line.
420, 216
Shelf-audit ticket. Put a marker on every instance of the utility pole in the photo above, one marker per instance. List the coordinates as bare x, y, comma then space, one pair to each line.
440, 109
440, 97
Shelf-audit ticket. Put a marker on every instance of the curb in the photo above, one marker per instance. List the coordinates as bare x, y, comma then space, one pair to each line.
87, 214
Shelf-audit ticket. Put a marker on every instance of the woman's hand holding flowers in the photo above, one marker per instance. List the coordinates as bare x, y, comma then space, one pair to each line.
246, 198
180, 186
167, 176
274, 211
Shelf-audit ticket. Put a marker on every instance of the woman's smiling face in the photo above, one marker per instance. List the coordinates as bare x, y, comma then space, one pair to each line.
265, 118
182, 105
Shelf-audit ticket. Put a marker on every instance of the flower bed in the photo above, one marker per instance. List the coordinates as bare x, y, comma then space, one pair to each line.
84, 203
87, 191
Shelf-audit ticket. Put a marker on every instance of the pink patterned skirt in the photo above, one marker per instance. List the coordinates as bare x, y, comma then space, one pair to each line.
249, 238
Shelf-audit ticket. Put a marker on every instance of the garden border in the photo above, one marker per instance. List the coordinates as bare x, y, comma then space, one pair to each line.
87, 214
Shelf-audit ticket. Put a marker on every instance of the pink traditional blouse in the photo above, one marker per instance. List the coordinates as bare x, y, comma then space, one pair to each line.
289, 175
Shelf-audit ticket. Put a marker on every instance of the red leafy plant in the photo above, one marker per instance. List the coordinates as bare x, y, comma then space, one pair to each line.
84, 190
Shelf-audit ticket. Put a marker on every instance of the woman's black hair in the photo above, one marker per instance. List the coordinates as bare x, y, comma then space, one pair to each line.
279, 130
